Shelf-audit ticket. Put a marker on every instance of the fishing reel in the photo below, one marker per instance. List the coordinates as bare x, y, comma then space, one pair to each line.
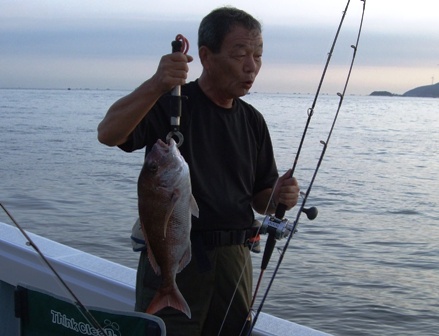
280, 228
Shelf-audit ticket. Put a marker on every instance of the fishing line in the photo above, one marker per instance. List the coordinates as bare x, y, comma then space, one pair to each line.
77, 303
247, 259
281, 208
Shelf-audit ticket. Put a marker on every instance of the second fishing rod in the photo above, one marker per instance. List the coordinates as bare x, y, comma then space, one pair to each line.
277, 226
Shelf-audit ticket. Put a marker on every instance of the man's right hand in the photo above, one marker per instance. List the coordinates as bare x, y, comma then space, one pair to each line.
171, 71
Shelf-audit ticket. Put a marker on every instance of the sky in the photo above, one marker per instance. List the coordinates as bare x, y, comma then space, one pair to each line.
117, 44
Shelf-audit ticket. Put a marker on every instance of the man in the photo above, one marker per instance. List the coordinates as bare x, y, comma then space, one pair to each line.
228, 148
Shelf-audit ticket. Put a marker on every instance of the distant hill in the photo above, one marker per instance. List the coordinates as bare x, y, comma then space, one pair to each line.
427, 91
430, 91
383, 93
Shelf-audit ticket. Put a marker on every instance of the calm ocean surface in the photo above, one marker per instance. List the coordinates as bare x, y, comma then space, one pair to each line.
367, 265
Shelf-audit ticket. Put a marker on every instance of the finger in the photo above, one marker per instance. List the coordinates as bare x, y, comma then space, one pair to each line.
295, 182
180, 57
286, 175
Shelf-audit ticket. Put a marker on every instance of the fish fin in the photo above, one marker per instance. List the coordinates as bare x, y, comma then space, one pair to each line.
151, 257
194, 207
185, 259
174, 198
169, 298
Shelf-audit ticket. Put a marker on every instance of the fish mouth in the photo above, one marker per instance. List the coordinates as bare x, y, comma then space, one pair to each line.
161, 145
165, 149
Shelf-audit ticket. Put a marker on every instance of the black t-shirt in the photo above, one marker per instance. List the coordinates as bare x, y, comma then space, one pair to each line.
229, 153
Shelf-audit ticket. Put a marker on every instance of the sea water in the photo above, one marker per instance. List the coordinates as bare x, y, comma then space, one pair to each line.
367, 265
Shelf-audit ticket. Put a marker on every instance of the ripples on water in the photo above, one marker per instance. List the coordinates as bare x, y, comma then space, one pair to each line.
368, 265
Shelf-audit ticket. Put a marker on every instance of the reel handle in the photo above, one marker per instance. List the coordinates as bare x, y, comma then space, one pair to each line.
311, 213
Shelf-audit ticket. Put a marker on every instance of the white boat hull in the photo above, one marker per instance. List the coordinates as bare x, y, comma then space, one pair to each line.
95, 281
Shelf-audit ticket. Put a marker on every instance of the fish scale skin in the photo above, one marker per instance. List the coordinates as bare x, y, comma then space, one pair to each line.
166, 205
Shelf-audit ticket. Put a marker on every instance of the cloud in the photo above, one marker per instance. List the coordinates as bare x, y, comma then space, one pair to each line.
85, 38
111, 51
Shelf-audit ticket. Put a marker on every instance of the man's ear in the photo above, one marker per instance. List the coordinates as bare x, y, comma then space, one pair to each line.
204, 54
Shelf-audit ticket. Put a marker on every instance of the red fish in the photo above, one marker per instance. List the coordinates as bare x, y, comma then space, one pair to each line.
166, 205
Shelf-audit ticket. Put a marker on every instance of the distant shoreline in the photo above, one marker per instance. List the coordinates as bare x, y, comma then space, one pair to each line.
426, 91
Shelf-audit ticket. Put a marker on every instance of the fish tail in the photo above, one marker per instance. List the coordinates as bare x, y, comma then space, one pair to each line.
169, 298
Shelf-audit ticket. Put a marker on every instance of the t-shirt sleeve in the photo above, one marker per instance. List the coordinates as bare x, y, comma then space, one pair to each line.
135, 141
153, 126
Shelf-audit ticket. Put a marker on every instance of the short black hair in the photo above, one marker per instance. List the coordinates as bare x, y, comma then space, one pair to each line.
218, 23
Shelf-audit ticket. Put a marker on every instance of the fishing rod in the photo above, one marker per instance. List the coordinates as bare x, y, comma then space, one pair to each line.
78, 304
277, 226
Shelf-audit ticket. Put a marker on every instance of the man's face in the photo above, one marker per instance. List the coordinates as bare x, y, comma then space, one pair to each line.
236, 66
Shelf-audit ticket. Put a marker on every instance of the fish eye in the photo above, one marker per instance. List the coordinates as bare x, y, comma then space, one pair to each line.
153, 167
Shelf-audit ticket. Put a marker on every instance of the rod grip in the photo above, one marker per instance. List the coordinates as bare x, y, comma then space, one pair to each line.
268, 251
280, 211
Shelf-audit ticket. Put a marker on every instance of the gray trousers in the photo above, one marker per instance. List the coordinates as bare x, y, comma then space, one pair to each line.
216, 301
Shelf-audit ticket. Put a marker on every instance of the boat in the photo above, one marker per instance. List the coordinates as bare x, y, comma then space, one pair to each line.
99, 284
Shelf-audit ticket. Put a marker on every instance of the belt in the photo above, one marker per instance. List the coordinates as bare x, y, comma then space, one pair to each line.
224, 237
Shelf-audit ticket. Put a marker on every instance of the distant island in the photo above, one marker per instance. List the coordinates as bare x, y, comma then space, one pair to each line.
426, 91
